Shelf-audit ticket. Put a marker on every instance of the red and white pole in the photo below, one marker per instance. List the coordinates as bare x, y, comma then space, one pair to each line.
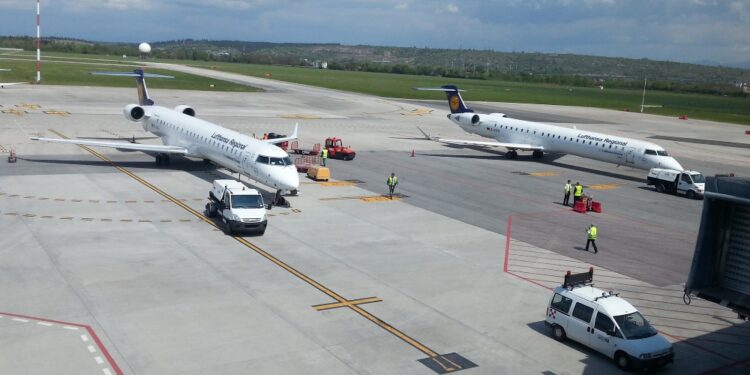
38, 47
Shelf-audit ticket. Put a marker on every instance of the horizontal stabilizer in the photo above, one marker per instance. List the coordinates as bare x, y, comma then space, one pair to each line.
285, 139
437, 89
130, 74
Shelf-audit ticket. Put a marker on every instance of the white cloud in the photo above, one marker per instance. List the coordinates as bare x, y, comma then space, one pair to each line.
402, 6
452, 8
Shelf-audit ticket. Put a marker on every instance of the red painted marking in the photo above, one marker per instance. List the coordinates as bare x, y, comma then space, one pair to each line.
718, 370
686, 341
507, 242
104, 351
88, 328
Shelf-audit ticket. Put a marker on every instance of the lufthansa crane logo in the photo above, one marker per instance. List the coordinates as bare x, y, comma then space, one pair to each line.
454, 102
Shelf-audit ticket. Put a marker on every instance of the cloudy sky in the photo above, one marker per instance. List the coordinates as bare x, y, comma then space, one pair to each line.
677, 30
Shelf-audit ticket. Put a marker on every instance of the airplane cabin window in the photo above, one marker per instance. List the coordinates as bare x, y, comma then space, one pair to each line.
650, 152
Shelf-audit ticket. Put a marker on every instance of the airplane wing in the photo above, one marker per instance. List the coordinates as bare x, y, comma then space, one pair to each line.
3, 84
285, 139
118, 145
509, 146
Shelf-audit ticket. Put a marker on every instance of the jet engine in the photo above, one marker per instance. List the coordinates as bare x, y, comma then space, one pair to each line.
133, 112
466, 118
186, 109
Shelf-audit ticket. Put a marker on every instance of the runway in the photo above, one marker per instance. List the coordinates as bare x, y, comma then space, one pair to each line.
426, 283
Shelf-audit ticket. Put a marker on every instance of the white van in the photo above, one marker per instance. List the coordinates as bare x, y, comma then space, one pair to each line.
690, 183
240, 208
606, 323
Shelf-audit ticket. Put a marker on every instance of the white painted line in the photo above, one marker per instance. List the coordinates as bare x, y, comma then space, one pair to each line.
21, 320
92, 349
98, 360
44, 324
106, 371
71, 328
85, 338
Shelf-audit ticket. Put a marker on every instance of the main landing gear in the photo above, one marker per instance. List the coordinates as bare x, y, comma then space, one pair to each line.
537, 154
162, 159
512, 154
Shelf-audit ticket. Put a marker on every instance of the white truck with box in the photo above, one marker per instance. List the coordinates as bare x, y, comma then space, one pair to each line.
690, 183
239, 208
606, 323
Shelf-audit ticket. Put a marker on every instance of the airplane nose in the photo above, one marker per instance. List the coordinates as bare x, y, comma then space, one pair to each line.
290, 180
671, 163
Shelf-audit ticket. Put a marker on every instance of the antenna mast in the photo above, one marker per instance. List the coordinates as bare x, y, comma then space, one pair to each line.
38, 47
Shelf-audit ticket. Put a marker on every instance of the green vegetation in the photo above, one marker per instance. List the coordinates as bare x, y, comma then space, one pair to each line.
73, 69
700, 106
63, 69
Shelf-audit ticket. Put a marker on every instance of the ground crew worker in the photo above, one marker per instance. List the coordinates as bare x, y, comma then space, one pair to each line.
578, 193
324, 156
591, 238
566, 190
392, 181
265, 136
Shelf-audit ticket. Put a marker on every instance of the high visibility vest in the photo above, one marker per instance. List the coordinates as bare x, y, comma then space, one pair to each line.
567, 188
324, 153
579, 190
592, 233
392, 180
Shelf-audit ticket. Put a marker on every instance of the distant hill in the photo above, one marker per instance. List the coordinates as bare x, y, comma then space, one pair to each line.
566, 69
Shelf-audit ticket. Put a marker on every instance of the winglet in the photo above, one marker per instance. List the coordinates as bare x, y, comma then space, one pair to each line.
426, 136
285, 139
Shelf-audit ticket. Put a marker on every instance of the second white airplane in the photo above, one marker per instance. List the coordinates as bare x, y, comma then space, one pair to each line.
515, 135
183, 134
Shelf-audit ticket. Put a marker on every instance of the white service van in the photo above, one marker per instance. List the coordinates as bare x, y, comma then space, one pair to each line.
240, 208
690, 183
606, 323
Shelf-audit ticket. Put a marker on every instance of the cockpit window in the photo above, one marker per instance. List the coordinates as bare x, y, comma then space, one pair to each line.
662, 153
262, 159
650, 152
288, 161
277, 161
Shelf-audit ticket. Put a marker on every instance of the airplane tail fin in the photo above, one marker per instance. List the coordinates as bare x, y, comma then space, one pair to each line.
453, 94
140, 80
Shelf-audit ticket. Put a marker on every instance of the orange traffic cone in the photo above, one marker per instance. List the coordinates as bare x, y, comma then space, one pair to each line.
412, 153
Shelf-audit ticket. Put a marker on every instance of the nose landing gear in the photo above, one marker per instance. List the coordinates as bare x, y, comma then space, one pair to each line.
162, 159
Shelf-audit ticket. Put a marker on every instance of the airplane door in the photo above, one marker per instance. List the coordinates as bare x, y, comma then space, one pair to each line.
630, 155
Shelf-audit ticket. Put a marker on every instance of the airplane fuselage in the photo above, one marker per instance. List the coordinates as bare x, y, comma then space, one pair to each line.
261, 161
556, 139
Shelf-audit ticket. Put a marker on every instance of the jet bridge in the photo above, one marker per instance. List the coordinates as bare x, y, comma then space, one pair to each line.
721, 263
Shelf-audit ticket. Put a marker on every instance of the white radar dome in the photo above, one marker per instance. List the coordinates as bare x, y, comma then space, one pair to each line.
144, 48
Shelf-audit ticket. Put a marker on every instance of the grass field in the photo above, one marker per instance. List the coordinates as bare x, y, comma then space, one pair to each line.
59, 69
708, 107
72, 69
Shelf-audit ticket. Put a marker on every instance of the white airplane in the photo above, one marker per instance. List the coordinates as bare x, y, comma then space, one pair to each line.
515, 135
3, 84
183, 134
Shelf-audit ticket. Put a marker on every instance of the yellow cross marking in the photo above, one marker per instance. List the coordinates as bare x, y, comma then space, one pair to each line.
336, 183
364, 198
544, 174
417, 112
14, 112
605, 186
59, 113
347, 303
28, 106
